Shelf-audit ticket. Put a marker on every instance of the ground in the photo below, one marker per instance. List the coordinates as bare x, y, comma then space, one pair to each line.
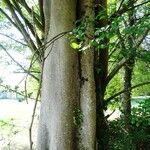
15, 118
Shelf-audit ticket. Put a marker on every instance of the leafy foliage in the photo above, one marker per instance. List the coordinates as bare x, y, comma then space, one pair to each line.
139, 138
78, 117
141, 114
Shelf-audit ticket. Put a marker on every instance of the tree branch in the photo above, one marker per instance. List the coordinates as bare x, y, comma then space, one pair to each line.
18, 63
115, 70
29, 10
21, 28
126, 90
35, 106
125, 9
13, 90
26, 21
13, 39
7, 16
142, 38
42, 14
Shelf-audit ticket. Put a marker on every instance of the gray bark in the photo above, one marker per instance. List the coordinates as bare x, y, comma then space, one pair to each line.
60, 81
87, 92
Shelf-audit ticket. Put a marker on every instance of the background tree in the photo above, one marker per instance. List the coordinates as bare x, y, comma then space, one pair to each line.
128, 69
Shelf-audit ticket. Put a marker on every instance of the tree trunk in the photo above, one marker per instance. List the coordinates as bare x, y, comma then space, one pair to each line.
87, 85
126, 96
101, 72
128, 70
68, 82
60, 81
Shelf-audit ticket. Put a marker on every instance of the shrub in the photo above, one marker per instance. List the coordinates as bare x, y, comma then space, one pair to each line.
139, 136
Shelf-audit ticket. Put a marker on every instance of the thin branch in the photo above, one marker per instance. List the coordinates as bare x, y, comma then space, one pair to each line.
32, 121
58, 36
114, 48
120, 5
35, 106
106, 117
26, 78
21, 81
21, 28
126, 9
143, 37
29, 10
14, 39
7, 16
126, 90
51, 42
115, 70
49, 51
38, 40
42, 13
14, 91
18, 63
26, 21
32, 71
26, 92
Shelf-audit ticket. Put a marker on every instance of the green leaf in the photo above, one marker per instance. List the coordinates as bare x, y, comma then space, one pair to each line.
75, 45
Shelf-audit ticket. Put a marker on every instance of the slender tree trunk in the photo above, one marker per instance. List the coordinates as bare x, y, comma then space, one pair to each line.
60, 81
101, 71
128, 71
87, 91
101, 122
126, 97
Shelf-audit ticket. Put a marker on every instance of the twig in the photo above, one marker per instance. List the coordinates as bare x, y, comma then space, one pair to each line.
126, 90
49, 51
7, 16
54, 39
32, 120
18, 63
26, 78
26, 93
124, 10
115, 70
14, 39
106, 117
13, 90
35, 105
120, 5
11, 124
20, 26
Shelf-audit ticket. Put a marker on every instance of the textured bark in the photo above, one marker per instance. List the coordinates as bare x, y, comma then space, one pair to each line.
126, 96
60, 81
87, 92
128, 71
101, 64
100, 79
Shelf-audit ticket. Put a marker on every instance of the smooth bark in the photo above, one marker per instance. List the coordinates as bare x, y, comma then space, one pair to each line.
60, 81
